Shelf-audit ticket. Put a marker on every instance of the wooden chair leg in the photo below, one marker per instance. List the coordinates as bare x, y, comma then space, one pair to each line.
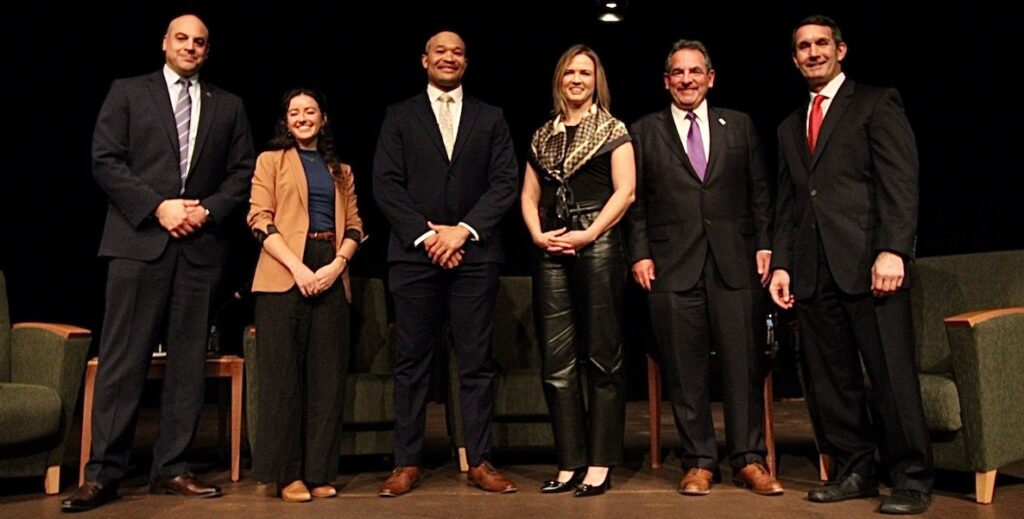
237, 375
824, 466
769, 425
51, 481
984, 487
463, 460
86, 446
654, 409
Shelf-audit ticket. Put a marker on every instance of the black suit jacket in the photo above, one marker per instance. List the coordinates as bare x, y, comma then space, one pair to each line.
676, 217
414, 182
135, 160
859, 190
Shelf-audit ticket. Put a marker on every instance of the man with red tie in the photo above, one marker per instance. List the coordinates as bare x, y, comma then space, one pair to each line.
845, 230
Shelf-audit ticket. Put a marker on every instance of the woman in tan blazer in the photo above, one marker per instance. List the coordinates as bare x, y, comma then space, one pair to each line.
303, 212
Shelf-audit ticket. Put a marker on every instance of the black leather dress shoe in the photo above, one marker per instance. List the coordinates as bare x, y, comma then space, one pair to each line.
553, 486
905, 502
185, 485
585, 490
853, 486
89, 496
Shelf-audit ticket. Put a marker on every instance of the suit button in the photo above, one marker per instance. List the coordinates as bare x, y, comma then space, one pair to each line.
703, 190
814, 192
814, 226
707, 221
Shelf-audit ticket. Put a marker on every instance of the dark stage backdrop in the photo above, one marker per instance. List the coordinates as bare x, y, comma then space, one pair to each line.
952, 67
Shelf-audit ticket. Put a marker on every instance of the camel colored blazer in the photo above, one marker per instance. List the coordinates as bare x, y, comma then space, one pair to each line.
280, 196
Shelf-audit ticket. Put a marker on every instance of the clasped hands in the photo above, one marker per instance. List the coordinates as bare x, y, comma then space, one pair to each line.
445, 246
563, 242
180, 216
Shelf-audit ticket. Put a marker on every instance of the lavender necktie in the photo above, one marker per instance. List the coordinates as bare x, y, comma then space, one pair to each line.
695, 147
183, 120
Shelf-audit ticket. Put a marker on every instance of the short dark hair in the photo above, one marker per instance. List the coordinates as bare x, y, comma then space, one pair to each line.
819, 19
696, 45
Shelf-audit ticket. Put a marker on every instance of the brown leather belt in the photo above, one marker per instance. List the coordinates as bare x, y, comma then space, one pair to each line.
321, 235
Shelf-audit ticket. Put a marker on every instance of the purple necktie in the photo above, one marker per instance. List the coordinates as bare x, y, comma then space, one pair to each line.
695, 147
183, 120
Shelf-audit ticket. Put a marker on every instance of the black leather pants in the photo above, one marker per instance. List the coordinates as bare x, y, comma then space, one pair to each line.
578, 301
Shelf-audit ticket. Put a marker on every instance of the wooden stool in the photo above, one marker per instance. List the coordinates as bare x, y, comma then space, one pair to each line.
227, 366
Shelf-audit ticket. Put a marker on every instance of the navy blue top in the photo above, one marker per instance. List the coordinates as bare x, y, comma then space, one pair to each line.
321, 191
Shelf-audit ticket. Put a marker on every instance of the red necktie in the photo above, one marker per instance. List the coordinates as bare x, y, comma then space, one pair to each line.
814, 125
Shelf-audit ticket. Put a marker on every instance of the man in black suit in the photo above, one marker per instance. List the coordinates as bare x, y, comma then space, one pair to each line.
444, 174
845, 229
698, 238
174, 155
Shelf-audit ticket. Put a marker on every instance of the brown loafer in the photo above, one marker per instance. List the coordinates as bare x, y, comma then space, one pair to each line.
696, 482
294, 492
755, 477
88, 496
324, 491
401, 481
488, 478
185, 485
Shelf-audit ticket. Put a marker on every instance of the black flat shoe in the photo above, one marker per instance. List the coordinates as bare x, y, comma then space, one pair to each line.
594, 490
905, 502
853, 486
553, 486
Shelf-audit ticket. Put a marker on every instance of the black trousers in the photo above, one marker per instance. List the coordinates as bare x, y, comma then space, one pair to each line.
422, 292
166, 300
685, 325
841, 330
578, 301
302, 350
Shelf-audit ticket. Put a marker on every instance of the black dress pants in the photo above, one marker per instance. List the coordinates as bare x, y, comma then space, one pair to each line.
148, 302
685, 325
579, 303
302, 349
839, 331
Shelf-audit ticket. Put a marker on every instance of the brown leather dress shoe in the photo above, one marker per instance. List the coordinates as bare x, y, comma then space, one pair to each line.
755, 477
294, 492
488, 478
185, 485
89, 496
323, 491
401, 481
696, 482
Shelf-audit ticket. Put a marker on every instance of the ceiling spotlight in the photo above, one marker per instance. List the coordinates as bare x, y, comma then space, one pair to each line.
612, 11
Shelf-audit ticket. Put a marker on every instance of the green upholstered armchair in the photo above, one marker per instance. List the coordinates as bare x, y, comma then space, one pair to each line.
369, 413
969, 330
521, 417
41, 367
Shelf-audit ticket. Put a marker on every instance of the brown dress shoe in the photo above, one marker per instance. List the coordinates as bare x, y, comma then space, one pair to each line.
696, 482
185, 485
401, 480
325, 490
488, 478
294, 492
88, 496
755, 477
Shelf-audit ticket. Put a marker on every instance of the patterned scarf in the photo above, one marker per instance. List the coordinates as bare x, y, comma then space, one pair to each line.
596, 130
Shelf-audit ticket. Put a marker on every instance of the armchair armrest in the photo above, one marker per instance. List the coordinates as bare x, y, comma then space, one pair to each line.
972, 319
988, 366
48, 354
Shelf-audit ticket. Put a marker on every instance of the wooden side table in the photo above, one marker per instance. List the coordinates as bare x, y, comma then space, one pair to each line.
227, 366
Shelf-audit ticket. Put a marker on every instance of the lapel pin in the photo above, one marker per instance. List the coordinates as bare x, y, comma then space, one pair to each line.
721, 121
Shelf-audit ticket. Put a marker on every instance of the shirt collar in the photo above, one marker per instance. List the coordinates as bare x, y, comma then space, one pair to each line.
831, 88
433, 93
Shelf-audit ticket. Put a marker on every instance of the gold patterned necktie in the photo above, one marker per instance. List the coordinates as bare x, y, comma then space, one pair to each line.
444, 121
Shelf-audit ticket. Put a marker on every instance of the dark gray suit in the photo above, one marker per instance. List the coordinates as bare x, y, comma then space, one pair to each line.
158, 287
837, 210
703, 237
414, 182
